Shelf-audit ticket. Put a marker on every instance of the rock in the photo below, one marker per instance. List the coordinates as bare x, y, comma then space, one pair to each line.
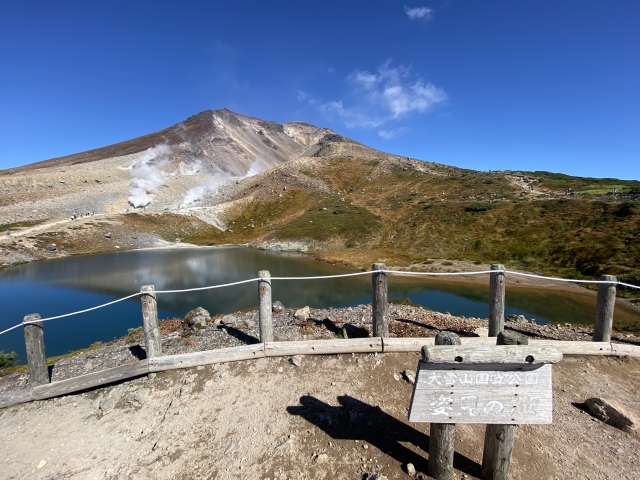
377, 476
303, 313
42, 463
90, 418
229, 320
250, 323
410, 375
277, 307
136, 398
396, 376
411, 470
613, 414
482, 331
107, 235
233, 447
107, 404
322, 458
296, 360
52, 247
196, 318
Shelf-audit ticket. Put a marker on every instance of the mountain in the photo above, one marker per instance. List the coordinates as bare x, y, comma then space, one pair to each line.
223, 178
222, 140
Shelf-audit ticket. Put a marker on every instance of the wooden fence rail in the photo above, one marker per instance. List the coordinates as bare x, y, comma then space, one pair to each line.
380, 342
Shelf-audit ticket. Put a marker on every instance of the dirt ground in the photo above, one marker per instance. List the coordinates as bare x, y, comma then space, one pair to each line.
334, 417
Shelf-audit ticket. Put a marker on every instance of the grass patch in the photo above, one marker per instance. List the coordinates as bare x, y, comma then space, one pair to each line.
19, 225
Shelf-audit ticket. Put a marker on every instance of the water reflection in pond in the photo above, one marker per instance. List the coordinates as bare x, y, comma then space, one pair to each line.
60, 286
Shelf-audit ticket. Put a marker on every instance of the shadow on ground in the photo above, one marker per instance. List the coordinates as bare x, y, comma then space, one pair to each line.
356, 420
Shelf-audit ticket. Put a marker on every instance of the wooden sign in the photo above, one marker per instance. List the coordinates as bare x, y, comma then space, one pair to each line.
509, 390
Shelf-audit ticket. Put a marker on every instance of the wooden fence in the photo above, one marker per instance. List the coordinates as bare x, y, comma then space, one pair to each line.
40, 387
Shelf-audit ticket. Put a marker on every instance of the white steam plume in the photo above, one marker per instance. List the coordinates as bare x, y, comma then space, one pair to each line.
255, 168
145, 175
203, 188
210, 186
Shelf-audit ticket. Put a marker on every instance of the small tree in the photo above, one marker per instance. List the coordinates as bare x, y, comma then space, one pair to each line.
6, 359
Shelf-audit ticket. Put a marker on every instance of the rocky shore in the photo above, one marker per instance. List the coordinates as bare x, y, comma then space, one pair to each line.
200, 331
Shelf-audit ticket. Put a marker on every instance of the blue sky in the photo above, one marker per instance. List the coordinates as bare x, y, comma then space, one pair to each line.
542, 85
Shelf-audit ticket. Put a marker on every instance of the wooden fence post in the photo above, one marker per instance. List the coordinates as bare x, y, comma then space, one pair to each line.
604, 309
379, 304
442, 436
496, 301
36, 358
265, 306
498, 438
150, 324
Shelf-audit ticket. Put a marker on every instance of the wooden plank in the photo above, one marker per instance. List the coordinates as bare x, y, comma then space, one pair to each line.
519, 354
415, 344
208, 357
379, 303
604, 309
482, 393
575, 348
265, 306
625, 349
16, 397
324, 347
496, 301
91, 380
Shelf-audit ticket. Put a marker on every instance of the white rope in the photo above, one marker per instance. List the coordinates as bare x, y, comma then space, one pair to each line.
531, 275
397, 272
368, 272
83, 311
400, 272
209, 287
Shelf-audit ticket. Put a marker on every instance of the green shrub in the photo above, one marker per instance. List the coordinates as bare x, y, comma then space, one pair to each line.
6, 359
131, 331
479, 207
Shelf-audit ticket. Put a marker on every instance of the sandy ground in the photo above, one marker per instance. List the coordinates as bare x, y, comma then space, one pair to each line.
334, 417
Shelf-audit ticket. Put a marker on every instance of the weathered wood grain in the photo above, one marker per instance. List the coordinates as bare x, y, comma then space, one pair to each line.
324, 347
498, 448
153, 345
625, 349
463, 355
496, 301
265, 306
208, 357
415, 344
16, 397
379, 304
34, 344
482, 393
604, 309
90, 380
575, 348
442, 435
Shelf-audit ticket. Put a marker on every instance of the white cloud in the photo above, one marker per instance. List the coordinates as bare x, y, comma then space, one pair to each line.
417, 13
391, 93
350, 117
391, 134
301, 95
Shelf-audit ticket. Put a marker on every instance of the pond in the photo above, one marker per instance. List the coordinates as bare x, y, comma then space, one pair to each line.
65, 285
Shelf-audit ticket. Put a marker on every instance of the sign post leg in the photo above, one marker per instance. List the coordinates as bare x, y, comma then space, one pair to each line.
442, 436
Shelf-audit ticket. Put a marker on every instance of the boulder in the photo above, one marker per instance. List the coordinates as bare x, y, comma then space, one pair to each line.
229, 320
52, 247
196, 319
277, 307
410, 375
613, 414
302, 313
